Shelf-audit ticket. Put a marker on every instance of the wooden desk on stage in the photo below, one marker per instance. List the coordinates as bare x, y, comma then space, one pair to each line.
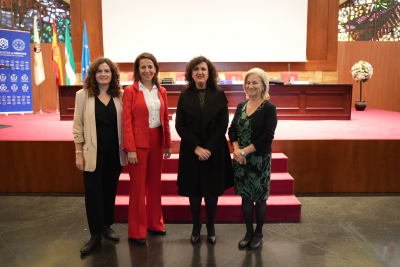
293, 102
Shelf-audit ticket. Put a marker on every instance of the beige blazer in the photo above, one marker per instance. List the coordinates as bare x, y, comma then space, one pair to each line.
84, 128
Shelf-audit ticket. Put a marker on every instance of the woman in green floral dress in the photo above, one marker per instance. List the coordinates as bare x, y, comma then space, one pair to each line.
251, 134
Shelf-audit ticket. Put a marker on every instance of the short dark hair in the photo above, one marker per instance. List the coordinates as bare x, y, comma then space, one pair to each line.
213, 79
91, 85
136, 68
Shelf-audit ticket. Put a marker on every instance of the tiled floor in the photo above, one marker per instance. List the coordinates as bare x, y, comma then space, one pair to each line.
335, 230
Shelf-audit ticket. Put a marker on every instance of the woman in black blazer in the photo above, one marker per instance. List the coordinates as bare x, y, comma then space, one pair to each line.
205, 166
251, 134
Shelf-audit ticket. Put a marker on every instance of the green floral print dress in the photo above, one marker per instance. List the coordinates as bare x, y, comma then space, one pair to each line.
251, 179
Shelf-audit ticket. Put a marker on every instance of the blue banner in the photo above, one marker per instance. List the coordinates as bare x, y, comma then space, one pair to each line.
15, 72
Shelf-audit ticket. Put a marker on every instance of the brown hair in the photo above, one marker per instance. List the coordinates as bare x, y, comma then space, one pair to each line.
91, 85
213, 79
136, 68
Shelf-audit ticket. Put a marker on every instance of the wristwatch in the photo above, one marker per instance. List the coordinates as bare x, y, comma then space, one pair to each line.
77, 152
243, 154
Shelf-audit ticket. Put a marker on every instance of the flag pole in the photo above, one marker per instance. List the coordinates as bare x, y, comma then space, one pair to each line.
56, 111
40, 103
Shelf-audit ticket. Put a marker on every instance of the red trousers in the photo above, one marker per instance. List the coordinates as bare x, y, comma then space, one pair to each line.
145, 188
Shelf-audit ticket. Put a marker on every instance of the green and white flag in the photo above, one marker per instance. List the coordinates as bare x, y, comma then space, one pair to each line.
69, 58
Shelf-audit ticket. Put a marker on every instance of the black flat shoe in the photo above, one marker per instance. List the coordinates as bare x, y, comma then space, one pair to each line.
141, 241
194, 239
110, 233
162, 232
94, 241
256, 241
245, 241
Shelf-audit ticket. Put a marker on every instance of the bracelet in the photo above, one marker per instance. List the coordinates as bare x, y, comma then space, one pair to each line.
77, 152
243, 154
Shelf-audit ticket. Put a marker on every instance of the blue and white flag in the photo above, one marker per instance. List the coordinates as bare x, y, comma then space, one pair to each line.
85, 55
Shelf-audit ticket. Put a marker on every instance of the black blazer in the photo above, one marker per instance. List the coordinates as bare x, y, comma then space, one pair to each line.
205, 128
263, 126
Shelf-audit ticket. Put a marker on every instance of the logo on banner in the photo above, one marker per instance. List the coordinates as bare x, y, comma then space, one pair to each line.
3, 43
3, 88
18, 44
14, 78
3, 77
14, 88
25, 88
36, 48
24, 78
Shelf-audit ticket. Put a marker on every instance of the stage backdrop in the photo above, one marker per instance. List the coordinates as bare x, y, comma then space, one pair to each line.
15, 75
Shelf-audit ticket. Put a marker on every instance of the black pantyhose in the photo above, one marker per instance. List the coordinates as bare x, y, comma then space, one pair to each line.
211, 207
248, 210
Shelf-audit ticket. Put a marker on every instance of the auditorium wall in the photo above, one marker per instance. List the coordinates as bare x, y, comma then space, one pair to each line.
382, 91
321, 47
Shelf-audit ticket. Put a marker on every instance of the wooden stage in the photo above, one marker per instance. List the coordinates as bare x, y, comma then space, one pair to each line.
360, 155
293, 102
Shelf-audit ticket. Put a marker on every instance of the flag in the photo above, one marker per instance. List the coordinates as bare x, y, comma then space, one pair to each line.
69, 59
85, 54
56, 57
38, 68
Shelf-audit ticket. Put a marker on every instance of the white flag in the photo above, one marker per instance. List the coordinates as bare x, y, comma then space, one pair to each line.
38, 69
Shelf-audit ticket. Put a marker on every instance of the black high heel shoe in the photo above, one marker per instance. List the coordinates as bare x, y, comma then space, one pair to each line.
256, 240
211, 238
194, 239
245, 241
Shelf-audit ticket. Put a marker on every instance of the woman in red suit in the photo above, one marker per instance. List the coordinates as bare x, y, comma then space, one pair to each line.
146, 138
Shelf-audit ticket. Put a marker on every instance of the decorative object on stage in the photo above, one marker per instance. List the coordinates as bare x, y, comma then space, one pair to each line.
85, 54
38, 68
361, 72
69, 59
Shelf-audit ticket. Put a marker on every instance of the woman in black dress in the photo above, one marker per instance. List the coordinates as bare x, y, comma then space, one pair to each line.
98, 141
251, 134
205, 166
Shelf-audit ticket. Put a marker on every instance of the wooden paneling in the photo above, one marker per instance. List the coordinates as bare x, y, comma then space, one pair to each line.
48, 86
318, 166
39, 166
299, 102
382, 91
338, 166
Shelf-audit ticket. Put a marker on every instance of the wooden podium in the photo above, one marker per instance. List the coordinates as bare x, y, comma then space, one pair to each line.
293, 102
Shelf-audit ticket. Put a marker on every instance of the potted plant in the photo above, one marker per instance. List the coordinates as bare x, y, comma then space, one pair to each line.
361, 72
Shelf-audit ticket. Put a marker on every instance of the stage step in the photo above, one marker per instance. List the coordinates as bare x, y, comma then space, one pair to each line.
281, 184
176, 209
282, 204
279, 163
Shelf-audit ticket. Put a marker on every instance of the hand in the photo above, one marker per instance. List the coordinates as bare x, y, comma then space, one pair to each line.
80, 162
167, 153
241, 160
237, 153
132, 157
204, 154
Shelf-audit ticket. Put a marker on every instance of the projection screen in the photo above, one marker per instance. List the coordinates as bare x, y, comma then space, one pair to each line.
222, 30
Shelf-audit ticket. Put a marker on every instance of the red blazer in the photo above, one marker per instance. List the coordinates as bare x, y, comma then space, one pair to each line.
135, 124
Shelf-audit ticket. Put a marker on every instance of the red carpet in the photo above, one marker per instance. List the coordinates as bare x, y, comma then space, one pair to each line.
369, 124
282, 204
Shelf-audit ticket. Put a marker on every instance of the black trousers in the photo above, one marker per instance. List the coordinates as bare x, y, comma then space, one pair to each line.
101, 189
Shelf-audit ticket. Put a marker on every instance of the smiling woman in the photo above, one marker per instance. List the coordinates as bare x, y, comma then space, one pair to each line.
98, 142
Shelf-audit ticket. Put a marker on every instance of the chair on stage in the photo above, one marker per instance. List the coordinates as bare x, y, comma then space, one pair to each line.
129, 76
285, 76
234, 76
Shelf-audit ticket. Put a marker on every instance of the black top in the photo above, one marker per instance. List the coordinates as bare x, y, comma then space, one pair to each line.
106, 124
263, 126
202, 96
